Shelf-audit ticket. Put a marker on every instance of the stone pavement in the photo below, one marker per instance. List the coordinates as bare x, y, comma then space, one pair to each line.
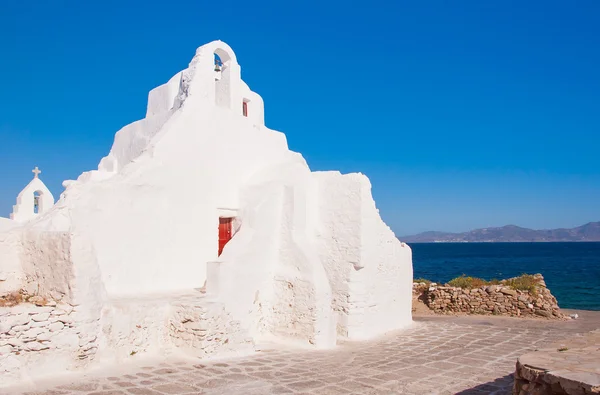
438, 355
571, 366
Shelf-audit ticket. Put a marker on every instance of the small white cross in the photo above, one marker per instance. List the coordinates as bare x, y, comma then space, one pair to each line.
36, 171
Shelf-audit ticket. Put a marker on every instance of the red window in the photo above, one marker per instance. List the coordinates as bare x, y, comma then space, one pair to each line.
245, 108
225, 232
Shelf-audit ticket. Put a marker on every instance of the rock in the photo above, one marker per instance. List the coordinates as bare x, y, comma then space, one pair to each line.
67, 308
3, 276
40, 324
543, 313
14, 320
43, 309
491, 288
32, 333
37, 300
36, 346
20, 328
5, 326
56, 295
56, 326
508, 291
45, 336
40, 317
574, 316
15, 342
65, 319
530, 306
7, 349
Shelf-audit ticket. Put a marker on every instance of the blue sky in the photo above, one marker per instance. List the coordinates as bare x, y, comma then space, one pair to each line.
463, 114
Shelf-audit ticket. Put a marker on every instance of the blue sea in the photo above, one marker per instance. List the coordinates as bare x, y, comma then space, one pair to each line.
571, 270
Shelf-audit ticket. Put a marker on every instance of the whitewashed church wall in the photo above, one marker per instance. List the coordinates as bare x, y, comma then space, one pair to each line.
293, 314
270, 267
385, 281
224, 88
162, 98
144, 239
339, 232
131, 141
369, 269
7, 224
255, 104
388, 270
179, 186
246, 267
11, 270
47, 264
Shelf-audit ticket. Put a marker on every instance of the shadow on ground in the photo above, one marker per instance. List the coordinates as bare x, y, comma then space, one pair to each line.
500, 386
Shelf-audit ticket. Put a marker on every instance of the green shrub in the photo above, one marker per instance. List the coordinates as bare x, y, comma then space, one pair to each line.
525, 282
467, 282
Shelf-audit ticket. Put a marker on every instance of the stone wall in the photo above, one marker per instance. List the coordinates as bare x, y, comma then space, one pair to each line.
50, 337
33, 336
207, 330
490, 299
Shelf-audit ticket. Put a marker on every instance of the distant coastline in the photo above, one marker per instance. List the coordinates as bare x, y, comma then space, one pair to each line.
589, 232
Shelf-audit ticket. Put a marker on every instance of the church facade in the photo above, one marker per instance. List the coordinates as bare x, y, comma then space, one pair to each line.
173, 244
33, 200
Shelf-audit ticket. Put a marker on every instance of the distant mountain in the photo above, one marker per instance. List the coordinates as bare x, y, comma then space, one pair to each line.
510, 233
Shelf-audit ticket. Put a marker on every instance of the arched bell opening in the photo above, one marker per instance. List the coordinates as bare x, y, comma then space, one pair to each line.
221, 69
38, 202
218, 67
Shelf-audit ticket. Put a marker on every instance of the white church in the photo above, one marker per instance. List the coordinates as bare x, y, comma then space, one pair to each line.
199, 233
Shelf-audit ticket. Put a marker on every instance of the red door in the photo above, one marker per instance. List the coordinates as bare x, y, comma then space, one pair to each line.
225, 229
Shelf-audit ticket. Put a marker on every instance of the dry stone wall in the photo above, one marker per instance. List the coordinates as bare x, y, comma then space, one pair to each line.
56, 337
490, 299
32, 335
207, 329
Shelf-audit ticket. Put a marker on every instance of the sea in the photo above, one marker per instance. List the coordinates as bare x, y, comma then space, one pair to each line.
571, 270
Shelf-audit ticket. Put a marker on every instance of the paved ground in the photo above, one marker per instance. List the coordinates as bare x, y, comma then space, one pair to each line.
439, 355
574, 365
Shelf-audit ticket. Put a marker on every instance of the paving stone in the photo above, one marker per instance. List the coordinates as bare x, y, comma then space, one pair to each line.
438, 355
110, 392
143, 391
80, 387
173, 388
